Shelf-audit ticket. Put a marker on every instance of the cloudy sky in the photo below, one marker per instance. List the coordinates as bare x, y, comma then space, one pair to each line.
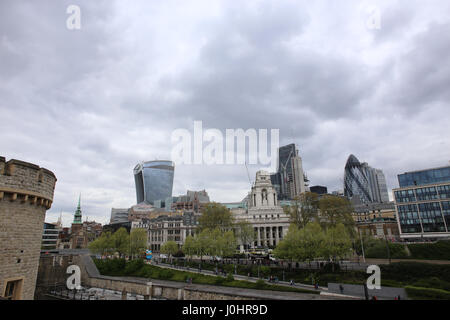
90, 103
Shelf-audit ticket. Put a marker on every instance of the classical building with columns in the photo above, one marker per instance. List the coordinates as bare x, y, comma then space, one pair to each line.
262, 210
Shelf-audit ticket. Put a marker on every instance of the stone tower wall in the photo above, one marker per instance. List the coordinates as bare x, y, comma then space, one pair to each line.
26, 193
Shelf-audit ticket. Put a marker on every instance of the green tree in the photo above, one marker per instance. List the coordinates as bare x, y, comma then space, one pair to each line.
227, 244
290, 247
336, 210
312, 238
102, 245
304, 209
337, 242
203, 243
120, 241
245, 233
214, 242
190, 246
215, 216
138, 241
170, 248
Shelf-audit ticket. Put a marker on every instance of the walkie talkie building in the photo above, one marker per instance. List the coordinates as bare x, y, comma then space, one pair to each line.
154, 180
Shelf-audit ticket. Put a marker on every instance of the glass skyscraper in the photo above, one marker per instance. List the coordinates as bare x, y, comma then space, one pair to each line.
289, 181
154, 180
365, 182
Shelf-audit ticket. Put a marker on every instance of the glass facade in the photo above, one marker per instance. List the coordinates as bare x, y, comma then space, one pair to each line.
432, 220
409, 218
405, 196
424, 177
422, 210
365, 182
154, 180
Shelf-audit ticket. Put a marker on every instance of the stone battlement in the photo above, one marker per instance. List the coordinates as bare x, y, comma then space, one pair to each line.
26, 182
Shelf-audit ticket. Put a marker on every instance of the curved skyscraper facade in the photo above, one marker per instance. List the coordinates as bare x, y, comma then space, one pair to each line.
154, 180
365, 182
356, 182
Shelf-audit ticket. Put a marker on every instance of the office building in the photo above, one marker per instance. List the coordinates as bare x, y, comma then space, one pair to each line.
50, 236
318, 190
422, 204
154, 180
169, 228
289, 181
364, 182
119, 215
193, 201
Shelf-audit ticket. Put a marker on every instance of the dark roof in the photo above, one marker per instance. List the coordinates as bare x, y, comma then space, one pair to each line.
352, 161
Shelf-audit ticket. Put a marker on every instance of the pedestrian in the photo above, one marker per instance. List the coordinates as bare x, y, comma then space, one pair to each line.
316, 286
341, 288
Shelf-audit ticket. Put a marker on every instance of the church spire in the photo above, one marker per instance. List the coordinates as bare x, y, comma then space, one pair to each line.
77, 217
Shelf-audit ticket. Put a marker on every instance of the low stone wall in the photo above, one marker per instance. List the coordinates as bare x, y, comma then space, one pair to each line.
53, 270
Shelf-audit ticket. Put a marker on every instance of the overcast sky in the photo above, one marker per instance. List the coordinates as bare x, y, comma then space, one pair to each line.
89, 104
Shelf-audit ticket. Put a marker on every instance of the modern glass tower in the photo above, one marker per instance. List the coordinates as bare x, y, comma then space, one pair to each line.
365, 182
290, 176
356, 182
154, 180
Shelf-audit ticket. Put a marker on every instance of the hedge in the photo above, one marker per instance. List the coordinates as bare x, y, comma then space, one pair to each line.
418, 293
431, 251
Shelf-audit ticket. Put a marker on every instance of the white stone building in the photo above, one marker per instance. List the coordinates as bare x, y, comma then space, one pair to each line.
264, 213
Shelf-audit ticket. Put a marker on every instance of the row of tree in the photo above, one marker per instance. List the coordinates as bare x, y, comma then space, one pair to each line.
120, 242
321, 228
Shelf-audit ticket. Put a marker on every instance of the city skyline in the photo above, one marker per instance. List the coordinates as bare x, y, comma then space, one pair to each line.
93, 102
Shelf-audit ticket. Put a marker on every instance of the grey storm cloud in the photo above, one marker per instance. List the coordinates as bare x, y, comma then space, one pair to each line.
89, 104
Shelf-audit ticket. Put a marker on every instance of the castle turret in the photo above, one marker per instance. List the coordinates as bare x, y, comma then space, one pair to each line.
26, 193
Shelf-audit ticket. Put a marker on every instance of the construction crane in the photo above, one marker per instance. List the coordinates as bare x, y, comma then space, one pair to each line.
248, 174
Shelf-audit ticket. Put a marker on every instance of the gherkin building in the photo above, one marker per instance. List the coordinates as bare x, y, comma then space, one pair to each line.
356, 181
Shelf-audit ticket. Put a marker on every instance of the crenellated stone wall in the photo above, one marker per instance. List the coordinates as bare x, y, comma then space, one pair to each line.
26, 193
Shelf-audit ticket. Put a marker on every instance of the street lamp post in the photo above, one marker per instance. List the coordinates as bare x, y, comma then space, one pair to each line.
388, 252
362, 246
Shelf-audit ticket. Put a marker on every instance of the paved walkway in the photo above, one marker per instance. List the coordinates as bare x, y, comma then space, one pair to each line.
240, 277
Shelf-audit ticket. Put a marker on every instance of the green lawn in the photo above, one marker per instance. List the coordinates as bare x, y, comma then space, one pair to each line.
137, 268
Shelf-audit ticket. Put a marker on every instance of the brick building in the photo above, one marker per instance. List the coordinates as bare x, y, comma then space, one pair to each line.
26, 193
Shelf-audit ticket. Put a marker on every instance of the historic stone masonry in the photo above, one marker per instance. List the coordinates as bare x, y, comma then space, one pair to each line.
26, 193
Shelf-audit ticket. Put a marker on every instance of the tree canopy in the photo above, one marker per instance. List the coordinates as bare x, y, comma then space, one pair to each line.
304, 209
244, 232
215, 216
335, 210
